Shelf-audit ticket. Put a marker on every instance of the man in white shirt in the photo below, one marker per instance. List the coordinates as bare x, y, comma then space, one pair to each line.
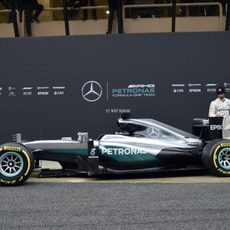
220, 107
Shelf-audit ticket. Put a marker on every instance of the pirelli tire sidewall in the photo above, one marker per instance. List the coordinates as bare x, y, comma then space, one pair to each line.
25, 155
211, 155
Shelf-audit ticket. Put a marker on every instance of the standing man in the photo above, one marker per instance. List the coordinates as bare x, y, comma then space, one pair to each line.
220, 107
192, 10
115, 5
85, 12
29, 6
227, 22
130, 12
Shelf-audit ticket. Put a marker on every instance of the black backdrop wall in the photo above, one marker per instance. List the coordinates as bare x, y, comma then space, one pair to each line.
53, 87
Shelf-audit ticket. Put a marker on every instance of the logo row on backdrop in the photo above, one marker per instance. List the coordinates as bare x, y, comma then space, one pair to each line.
92, 91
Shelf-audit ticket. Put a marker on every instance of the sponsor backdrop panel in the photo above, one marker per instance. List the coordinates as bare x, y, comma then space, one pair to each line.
53, 87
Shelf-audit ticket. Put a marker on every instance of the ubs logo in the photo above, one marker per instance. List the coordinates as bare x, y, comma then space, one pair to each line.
91, 91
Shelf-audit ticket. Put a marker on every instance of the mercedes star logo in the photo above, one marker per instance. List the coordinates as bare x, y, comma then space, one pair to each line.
91, 91
153, 132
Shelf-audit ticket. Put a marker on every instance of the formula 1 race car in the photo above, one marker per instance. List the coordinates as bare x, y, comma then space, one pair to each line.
140, 146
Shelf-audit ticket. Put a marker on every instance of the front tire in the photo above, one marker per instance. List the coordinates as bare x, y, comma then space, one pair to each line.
216, 157
16, 164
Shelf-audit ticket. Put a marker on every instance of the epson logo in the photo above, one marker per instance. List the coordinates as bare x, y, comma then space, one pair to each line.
195, 90
42, 93
216, 127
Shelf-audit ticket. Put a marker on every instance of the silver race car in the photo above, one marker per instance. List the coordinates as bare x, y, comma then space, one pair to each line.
140, 146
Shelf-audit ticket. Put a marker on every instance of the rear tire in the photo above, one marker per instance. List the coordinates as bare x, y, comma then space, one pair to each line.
16, 164
216, 157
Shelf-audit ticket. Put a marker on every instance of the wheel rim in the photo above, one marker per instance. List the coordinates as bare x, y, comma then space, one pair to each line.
11, 164
224, 158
